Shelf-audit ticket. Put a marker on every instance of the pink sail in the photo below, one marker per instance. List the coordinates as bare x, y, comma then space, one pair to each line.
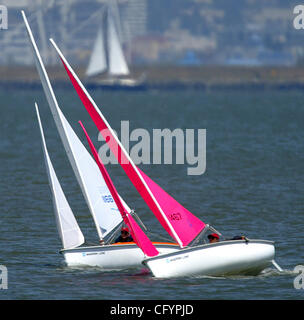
138, 235
185, 223
181, 224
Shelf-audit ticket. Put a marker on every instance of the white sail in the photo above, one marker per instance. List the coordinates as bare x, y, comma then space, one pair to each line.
95, 189
98, 62
67, 226
105, 213
117, 62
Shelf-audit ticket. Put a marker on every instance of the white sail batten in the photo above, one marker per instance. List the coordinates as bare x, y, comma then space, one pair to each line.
67, 226
117, 62
98, 62
104, 212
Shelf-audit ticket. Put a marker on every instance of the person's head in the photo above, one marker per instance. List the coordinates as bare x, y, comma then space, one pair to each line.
125, 232
213, 237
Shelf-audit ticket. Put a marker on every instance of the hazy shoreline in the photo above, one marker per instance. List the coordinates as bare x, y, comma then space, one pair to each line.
171, 77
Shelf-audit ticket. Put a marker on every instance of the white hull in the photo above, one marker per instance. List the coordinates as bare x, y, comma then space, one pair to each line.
236, 257
112, 257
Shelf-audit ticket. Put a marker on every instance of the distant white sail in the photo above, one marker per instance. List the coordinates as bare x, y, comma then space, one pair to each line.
67, 226
98, 62
117, 62
104, 212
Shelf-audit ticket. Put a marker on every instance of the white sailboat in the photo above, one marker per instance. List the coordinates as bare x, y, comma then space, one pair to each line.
105, 213
108, 58
215, 259
108, 256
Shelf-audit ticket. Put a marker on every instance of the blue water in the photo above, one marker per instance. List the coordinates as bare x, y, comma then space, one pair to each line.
253, 184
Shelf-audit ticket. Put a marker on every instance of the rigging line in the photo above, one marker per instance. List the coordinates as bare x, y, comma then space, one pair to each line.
134, 214
114, 234
89, 20
214, 230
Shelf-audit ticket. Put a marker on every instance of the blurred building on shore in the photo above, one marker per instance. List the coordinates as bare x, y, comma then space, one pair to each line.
192, 32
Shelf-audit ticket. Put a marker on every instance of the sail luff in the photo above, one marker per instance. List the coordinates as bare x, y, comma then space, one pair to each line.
103, 125
138, 235
70, 233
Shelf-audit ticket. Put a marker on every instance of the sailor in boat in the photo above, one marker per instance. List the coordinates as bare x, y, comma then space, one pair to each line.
239, 238
124, 236
213, 237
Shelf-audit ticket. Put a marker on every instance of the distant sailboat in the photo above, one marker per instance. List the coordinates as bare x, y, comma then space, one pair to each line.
105, 213
245, 256
108, 58
98, 61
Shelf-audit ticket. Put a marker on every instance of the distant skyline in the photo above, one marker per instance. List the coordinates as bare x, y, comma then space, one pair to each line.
192, 32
